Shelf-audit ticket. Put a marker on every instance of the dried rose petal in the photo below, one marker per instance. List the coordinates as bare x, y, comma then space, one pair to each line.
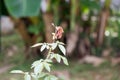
59, 31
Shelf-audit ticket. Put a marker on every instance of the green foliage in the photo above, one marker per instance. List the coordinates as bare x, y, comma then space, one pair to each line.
58, 58
17, 71
62, 48
90, 4
27, 76
45, 64
51, 77
43, 47
54, 45
23, 8
34, 29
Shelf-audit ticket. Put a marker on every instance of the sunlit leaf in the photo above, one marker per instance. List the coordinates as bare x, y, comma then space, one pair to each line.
35, 63
58, 58
43, 47
47, 78
60, 43
51, 77
36, 45
38, 68
47, 46
52, 56
65, 61
27, 77
54, 45
42, 74
62, 48
48, 60
34, 76
47, 66
17, 71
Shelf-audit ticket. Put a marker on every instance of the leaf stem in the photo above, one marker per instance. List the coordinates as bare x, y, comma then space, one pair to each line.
48, 55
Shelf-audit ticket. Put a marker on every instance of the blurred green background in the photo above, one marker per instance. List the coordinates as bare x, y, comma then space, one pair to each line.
91, 34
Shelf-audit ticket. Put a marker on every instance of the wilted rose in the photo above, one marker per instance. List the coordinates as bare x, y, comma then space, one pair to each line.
59, 31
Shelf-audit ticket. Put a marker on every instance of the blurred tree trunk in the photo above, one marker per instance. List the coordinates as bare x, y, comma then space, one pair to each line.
72, 36
74, 13
102, 22
48, 19
21, 25
101, 26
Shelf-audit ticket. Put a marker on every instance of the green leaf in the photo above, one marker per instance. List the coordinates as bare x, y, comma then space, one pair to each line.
47, 46
47, 78
42, 75
91, 4
36, 45
51, 77
62, 48
38, 68
23, 8
58, 58
48, 60
52, 56
17, 71
61, 43
43, 47
65, 61
47, 66
34, 29
34, 76
35, 63
27, 76
54, 45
